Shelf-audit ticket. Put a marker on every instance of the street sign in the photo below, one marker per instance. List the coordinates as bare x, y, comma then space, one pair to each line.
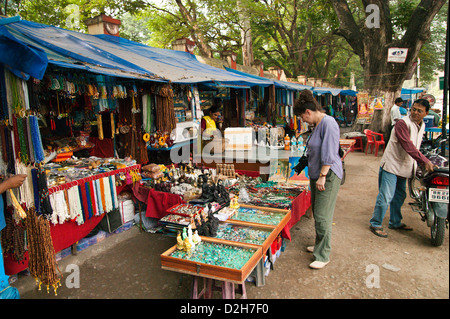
430, 98
397, 55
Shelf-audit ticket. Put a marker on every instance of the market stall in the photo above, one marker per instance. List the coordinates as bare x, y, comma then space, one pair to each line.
81, 127
78, 137
53, 142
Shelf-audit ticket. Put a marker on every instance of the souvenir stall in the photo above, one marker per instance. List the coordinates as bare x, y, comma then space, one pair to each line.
81, 132
159, 139
229, 227
262, 119
65, 132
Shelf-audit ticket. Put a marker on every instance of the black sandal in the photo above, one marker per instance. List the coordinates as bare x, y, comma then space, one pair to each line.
378, 231
401, 227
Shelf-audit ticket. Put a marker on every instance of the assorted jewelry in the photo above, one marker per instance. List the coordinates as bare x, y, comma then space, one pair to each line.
216, 254
258, 216
243, 234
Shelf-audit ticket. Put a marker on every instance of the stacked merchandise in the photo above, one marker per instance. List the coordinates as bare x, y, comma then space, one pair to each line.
266, 194
48, 130
79, 192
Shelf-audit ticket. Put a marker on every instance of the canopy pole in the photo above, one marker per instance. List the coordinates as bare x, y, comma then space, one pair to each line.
445, 99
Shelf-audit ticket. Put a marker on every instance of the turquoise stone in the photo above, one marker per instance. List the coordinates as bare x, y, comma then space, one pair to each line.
217, 254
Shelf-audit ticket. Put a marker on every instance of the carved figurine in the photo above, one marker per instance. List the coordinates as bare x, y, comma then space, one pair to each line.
180, 243
196, 238
187, 245
189, 231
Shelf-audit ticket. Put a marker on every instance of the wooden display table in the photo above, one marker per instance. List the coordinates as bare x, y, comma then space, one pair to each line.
206, 270
230, 276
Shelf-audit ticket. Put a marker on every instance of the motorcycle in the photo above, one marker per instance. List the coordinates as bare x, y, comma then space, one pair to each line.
431, 193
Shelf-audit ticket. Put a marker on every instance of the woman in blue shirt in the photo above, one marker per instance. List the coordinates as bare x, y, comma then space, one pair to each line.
325, 172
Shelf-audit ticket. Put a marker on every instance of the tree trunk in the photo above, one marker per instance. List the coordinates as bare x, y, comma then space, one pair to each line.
371, 44
246, 35
196, 33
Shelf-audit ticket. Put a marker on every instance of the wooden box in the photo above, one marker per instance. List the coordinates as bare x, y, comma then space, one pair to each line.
267, 242
278, 228
212, 271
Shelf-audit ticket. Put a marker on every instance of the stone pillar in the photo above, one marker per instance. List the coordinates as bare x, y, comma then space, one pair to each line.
184, 45
103, 24
230, 57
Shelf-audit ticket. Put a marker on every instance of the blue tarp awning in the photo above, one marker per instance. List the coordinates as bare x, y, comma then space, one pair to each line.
412, 90
120, 57
278, 84
349, 92
22, 59
334, 92
222, 85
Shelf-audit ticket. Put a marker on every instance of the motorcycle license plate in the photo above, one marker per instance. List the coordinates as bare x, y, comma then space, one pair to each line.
439, 195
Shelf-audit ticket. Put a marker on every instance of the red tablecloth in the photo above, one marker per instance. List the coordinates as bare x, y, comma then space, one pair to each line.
157, 202
299, 207
248, 173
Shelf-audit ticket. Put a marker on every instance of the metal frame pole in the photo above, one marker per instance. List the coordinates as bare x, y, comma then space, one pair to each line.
446, 89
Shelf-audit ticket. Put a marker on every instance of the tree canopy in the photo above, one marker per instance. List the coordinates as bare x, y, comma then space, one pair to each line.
325, 39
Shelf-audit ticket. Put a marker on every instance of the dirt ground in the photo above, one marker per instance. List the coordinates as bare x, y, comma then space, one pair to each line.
363, 266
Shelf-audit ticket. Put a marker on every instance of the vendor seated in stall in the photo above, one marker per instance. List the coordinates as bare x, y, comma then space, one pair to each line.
209, 123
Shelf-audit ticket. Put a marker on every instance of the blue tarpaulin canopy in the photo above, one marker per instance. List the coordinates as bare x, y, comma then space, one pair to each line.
412, 90
349, 92
334, 92
22, 59
119, 57
407, 94
278, 84
322, 90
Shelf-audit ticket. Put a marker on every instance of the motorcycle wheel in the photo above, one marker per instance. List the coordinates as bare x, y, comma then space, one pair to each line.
414, 183
438, 231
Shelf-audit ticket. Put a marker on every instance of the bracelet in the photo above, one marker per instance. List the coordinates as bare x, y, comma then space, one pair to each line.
322, 175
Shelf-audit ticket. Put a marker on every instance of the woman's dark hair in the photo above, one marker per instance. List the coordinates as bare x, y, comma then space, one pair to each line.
423, 102
306, 101
217, 105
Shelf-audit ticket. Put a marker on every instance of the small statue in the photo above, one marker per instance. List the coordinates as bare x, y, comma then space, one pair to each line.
196, 238
189, 231
184, 234
180, 243
213, 225
187, 245
234, 203
207, 190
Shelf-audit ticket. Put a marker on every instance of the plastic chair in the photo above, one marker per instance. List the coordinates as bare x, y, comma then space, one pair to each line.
358, 144
370, 140
378, 140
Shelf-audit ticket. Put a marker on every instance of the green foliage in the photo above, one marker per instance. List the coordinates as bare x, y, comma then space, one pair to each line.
295, 35
70, 14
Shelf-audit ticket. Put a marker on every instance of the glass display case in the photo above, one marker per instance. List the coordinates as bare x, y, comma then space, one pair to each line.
214, 259
262, 215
